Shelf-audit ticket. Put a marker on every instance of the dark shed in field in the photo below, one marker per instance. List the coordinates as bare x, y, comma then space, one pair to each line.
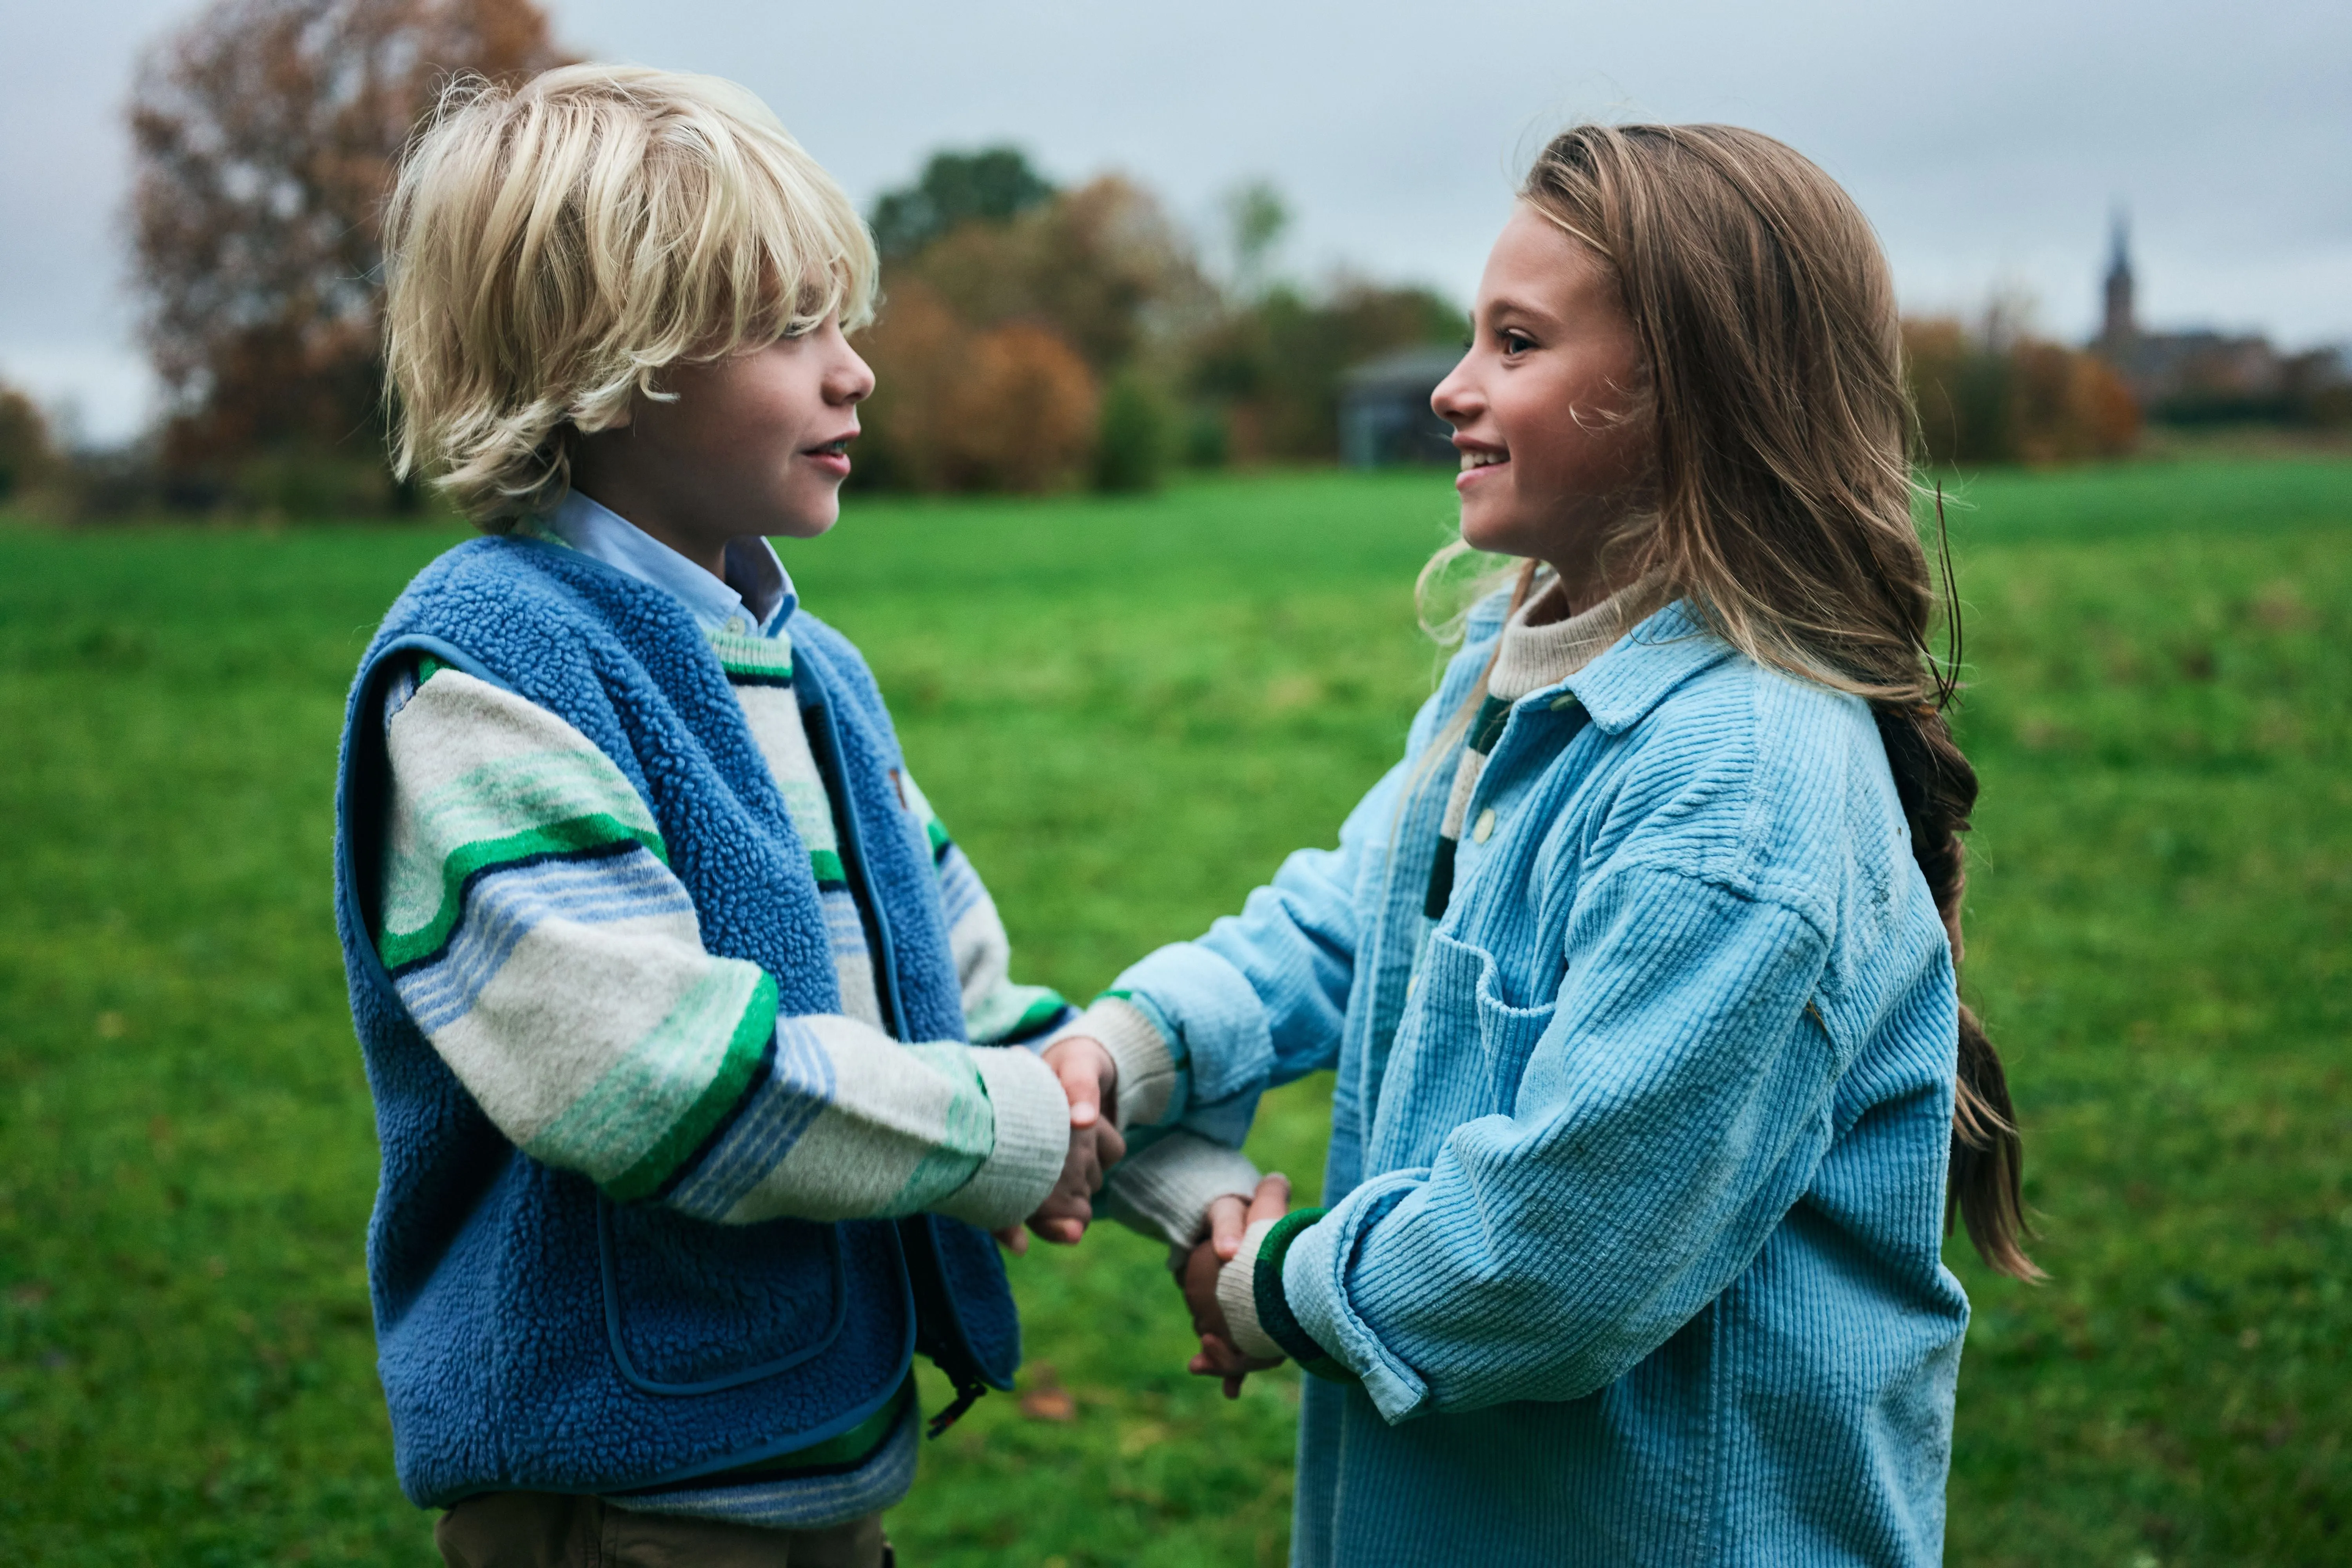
1384, 414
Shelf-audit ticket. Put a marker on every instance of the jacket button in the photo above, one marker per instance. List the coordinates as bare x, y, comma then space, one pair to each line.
1485, 827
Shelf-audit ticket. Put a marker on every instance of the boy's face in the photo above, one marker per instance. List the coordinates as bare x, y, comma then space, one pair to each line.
752, 444
1545, 406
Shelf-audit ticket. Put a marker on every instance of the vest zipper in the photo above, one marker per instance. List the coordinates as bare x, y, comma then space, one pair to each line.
835, 775
919, 1247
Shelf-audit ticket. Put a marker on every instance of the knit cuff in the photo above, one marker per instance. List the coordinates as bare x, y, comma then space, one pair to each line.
1033, 1141
1165, 1188
1271, 1314
1147, 1072
1237, 1297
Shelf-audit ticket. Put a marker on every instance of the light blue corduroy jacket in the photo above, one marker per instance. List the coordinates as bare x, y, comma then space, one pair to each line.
1636, 1177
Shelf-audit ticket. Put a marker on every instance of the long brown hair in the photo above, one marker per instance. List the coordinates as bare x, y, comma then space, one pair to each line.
1782, 500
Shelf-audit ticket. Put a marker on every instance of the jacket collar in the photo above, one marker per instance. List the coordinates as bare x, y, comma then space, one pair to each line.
1620, 687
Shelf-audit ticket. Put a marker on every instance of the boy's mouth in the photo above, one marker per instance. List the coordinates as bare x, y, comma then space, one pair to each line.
831, 455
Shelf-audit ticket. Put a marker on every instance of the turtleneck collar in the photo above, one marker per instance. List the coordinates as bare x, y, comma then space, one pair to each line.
1541, 647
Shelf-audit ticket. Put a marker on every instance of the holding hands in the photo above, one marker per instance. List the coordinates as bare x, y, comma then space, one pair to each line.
1090, 1079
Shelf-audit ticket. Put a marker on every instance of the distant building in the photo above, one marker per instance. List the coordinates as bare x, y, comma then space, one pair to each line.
1384, 413
2202, 375
2121, 320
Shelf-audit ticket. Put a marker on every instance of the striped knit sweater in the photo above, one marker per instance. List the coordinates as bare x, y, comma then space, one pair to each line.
534, 928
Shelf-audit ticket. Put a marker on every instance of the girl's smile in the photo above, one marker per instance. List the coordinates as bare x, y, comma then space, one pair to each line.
1479, 461
1546, 407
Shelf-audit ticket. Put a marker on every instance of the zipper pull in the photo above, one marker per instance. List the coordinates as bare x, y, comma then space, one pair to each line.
968, 1392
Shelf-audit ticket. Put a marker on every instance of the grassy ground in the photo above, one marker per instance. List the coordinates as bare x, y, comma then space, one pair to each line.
1128, 712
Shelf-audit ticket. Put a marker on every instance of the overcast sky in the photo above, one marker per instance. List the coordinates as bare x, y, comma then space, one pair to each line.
1987, 141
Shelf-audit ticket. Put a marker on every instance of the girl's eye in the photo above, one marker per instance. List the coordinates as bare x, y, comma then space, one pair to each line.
1515, 343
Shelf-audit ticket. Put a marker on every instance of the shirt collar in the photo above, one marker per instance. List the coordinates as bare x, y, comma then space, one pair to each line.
1620, 687
757, 597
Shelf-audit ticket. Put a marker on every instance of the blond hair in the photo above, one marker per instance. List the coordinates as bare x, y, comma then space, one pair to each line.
552, 247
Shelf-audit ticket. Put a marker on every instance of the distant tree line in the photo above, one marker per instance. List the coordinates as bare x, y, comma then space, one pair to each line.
1991, 392
1035, 338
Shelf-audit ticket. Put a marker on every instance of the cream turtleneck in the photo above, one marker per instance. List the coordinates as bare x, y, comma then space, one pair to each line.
1541, 645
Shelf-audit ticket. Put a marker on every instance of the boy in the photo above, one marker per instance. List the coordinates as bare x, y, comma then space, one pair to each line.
663, 968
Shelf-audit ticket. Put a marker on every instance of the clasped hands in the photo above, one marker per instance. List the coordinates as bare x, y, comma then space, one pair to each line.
1090, 1082
1089, 1079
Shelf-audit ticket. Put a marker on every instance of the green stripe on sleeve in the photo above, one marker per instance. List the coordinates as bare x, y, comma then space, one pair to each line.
966, 1134
745, 1046
567, 836
1042, 1012
1011, 1012
1274, 1314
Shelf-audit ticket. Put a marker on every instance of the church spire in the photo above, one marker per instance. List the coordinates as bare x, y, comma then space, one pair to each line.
2121, 326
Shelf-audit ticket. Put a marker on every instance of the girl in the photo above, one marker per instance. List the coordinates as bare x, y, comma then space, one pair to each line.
1638, 972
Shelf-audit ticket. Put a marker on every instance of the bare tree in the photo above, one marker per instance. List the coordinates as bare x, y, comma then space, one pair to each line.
267, 132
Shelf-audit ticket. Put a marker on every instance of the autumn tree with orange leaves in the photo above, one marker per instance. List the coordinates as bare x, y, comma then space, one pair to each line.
266, 133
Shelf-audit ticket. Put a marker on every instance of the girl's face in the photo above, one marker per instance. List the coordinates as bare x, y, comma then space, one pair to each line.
1546, 407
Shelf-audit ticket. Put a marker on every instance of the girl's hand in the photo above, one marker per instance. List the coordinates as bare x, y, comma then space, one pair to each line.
1198, 1279
1090, 1082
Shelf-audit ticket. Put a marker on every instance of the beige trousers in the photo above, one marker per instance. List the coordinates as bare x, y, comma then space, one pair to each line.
543, 1530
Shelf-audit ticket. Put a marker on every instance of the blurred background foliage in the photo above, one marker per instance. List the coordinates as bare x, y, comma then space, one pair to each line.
266, 133
1993, 392
1034, 336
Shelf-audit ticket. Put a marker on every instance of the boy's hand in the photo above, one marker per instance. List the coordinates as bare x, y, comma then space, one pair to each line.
1090, 1079
1198, 1279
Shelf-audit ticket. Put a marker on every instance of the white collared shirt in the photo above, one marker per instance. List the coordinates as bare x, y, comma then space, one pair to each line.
755, 600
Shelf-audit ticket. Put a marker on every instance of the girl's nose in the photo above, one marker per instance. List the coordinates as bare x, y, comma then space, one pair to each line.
1455, 401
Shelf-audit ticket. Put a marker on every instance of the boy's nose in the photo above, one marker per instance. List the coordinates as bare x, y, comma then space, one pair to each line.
853, 379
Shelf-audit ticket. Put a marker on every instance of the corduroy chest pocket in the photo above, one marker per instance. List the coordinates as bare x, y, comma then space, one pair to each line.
691, 1306
1463, 1049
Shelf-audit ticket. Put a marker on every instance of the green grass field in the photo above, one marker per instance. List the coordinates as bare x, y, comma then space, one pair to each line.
1128, 712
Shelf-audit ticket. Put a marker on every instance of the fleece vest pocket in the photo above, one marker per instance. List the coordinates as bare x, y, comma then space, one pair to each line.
691, 1306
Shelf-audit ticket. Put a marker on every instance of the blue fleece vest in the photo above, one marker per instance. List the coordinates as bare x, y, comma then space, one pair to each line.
531, 1334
